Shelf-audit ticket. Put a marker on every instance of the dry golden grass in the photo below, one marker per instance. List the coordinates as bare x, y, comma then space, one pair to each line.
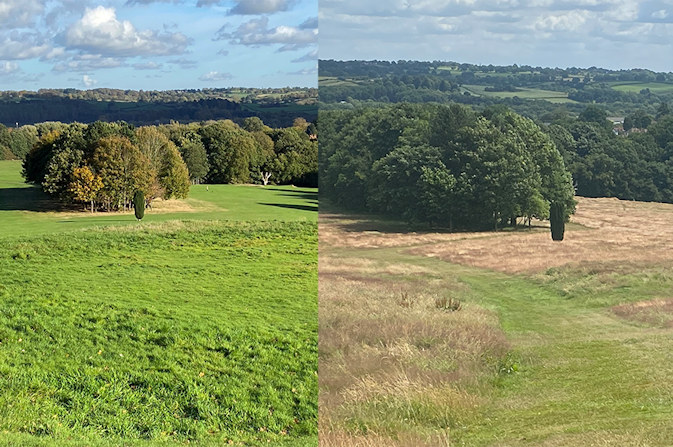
391, 360
338, 231
159, 206
656, 312
618, 230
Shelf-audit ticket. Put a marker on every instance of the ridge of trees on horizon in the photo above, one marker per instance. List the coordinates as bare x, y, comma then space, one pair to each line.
367, 82
102, 164
246, 94
442, 165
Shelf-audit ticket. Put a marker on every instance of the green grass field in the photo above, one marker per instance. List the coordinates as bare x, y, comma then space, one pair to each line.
524, 93
187, 328
26, 210
636, 87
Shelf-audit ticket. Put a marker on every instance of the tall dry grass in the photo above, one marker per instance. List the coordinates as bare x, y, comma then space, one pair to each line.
396, 368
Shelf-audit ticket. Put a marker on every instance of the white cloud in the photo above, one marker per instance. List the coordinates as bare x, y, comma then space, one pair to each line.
99, 32
88, 82
215, 76
7, 67
19, 13
256, 32
23, 45
570, 21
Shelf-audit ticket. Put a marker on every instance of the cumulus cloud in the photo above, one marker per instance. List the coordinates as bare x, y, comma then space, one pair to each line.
7, 67
19, 13
88, 81
256, 32
610, 33
215, 76
570, 21
23, 45
99, 32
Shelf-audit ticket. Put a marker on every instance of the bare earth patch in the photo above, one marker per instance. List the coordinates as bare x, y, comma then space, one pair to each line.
619, 230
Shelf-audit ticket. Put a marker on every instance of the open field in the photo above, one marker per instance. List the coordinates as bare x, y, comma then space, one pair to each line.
523, 93
498, 339
25, 210
196, 326
635, 87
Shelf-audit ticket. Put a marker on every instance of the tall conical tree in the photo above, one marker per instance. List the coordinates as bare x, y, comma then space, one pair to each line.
139, 204
557, 220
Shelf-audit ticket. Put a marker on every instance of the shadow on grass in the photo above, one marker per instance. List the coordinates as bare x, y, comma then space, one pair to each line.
313, 208
31, 198
301, 195
359, 222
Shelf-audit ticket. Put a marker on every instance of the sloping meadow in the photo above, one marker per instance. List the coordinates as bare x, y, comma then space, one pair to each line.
177, 332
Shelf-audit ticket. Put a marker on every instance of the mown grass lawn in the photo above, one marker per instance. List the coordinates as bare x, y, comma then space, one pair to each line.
164, 332
26, 210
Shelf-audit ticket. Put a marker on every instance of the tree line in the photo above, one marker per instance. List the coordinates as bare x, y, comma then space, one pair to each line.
104, 164
442, 165
358, 82
28, 110
631, 162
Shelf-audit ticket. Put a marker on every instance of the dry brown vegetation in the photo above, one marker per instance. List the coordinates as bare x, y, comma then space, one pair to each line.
614, 230
407, 357
400, 356
656, 312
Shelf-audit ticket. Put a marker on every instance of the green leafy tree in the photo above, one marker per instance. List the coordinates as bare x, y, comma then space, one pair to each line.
174, 175
195, 157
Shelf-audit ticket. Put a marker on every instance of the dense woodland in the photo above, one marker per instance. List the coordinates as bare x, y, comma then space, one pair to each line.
442, 165
277, 107
103, 164
621, 92
632, 162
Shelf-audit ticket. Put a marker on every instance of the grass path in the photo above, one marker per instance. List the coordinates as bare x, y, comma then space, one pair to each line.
578, 375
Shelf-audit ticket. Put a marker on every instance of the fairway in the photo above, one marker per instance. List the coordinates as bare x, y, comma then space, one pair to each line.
25, 210
195, 326
554, 344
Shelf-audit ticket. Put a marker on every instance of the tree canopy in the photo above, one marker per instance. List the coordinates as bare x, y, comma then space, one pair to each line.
441, 165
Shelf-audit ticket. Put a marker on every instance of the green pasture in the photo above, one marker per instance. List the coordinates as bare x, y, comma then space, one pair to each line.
523, 93
636, 87
188, 328
331, 81
25, 209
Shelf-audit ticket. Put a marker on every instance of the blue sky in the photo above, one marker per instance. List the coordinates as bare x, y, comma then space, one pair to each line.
617, 34
157, 44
